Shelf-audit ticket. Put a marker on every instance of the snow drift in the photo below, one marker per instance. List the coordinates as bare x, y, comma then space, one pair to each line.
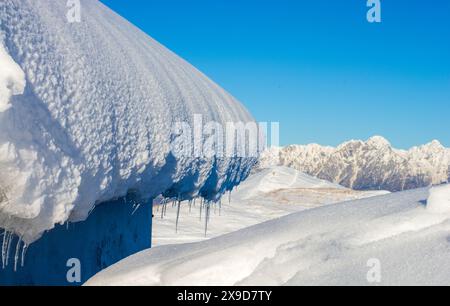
93, 119
279, 177
331, 245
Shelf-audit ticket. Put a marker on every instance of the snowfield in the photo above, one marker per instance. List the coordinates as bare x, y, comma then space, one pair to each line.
266, 195
391, 239
86, 115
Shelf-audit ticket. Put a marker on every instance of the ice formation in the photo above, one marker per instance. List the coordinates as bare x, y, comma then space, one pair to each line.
93, 119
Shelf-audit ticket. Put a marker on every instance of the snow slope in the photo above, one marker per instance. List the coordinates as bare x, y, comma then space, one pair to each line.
373, 164
275, 178
386, 240
86, 114
264, 196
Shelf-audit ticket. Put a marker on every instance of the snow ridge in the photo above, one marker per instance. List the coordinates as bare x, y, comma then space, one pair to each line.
367, 165
95, 118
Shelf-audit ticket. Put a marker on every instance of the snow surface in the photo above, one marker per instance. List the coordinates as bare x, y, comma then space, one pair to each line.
331, 245
439, 199
275, 178
269, 194
367, 165
12, 79
94, 120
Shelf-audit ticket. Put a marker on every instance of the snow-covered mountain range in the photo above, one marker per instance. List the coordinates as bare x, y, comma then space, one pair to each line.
367, 165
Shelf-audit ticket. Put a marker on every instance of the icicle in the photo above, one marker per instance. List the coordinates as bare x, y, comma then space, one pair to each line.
136, 207
220, 207
178, 216
190, 206
8, 248
201, 207
163, 203
16, 255
207, 212
5, 237
24, 252
229, 197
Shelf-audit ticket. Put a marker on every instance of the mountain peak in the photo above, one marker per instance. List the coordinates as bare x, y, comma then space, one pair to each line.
435, 144
378, 141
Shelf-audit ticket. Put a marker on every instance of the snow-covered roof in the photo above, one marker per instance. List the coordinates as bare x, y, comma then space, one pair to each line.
92, 118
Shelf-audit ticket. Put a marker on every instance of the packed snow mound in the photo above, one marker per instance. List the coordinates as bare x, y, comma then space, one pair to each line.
277, 178
439, 199
386, 240
367, 165
95, 118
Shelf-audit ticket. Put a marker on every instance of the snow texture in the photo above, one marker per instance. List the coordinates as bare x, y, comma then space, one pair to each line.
94, 118
338, 244
12, 79
367, 165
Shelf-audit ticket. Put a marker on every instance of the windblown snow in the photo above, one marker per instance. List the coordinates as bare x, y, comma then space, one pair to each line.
94, 118
392, 239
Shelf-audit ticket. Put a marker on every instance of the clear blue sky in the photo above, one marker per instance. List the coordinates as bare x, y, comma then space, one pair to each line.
317, 66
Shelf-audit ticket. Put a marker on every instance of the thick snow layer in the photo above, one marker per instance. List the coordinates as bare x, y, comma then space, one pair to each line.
439, 199
269, 194
386, 240
95, 118
12, 79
